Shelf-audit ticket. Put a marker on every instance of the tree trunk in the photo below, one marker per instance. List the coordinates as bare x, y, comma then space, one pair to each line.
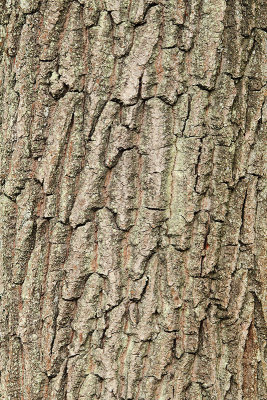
133, 200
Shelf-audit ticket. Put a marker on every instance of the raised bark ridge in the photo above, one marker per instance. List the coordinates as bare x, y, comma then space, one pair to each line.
133, 200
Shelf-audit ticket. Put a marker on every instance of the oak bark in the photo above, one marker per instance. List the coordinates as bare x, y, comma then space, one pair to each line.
133, 200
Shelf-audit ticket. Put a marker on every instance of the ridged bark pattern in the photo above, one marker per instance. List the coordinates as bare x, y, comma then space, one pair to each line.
133, 200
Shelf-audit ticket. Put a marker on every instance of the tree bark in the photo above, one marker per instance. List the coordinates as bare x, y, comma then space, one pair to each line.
133, 200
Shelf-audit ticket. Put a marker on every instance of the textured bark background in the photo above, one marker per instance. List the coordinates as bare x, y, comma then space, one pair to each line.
133, 200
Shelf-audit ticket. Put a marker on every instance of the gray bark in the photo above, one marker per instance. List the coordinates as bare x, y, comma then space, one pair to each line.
133, 200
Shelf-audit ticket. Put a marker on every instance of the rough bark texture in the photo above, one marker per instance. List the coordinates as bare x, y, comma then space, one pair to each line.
133, 200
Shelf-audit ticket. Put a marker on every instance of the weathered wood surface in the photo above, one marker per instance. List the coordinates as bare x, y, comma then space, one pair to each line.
133, 200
